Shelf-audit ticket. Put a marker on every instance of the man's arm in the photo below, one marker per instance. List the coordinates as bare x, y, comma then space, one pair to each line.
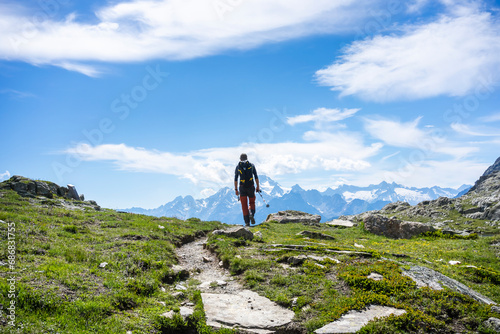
256, 177
236, 182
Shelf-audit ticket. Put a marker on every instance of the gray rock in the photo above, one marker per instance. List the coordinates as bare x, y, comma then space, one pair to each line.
72, 193
493, 168
341, 223
236, 232
291, 216
296, 260
375, 277
495, 309
185, 313
493, 323
394, 228
396, 206
353, 321
178, 294
43, 189
315, 235
245, 310
62, 191
425, 277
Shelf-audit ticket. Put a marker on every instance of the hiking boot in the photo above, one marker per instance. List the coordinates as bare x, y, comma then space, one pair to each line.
252, 214
247, 220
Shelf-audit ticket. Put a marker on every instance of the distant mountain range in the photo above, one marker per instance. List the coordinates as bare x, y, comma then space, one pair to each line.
330, 204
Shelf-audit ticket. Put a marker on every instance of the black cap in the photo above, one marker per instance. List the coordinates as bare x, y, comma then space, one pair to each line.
243, 157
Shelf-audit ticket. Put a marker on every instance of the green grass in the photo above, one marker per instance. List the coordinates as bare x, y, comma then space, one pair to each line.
322, 293
63, 288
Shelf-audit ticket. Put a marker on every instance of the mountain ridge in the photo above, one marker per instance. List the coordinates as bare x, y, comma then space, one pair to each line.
330, 203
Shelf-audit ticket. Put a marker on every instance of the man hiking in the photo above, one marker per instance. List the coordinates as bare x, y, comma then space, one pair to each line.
247, 173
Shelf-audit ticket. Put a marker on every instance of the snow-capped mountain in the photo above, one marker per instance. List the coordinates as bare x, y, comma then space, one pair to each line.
331, 203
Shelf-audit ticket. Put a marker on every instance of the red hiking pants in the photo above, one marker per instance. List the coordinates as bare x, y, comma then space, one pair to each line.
247, 195
244, 204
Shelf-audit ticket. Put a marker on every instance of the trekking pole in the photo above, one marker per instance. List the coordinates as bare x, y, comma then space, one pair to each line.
260, 193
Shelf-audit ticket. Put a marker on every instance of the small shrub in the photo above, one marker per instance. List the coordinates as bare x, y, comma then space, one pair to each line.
125, 301
143, 287
70, 229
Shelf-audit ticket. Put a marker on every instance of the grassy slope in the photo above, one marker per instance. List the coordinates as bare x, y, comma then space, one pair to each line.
63, 289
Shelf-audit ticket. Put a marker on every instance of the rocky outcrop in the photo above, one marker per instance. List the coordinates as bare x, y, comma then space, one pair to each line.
291, 216
31, 188
493, 168
235, 232
66, 197
394, 228
72, 193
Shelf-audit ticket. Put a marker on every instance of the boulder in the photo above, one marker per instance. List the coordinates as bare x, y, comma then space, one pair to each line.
291, 216
396, 206
62, 191
235, 232
492, 213
395, 228
72, 193
493, 323
184, 312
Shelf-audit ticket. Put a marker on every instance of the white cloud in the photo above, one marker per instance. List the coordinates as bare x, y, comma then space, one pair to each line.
429, 173
138, 30
410, 135
416, 5
396, 133
213, 168
5, 176
321, 116
468, 130
494, 117
87, 70
446, 57
17, 94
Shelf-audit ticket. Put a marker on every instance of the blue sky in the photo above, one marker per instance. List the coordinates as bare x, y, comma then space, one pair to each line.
137, 102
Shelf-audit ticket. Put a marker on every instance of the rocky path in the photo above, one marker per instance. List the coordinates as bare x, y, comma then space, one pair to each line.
226, 302
204, 266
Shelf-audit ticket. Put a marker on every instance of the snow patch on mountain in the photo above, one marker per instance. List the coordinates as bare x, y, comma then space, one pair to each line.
365, 195
224, 206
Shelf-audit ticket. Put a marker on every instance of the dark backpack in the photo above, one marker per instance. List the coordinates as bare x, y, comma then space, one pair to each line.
246, 173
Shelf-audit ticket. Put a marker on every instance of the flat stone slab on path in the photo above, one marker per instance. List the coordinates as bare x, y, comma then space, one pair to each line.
353, 321
245, 310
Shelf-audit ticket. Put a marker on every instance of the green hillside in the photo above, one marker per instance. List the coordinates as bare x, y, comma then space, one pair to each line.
83, 269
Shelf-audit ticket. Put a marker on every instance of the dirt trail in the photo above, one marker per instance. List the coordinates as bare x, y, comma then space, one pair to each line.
203, 266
